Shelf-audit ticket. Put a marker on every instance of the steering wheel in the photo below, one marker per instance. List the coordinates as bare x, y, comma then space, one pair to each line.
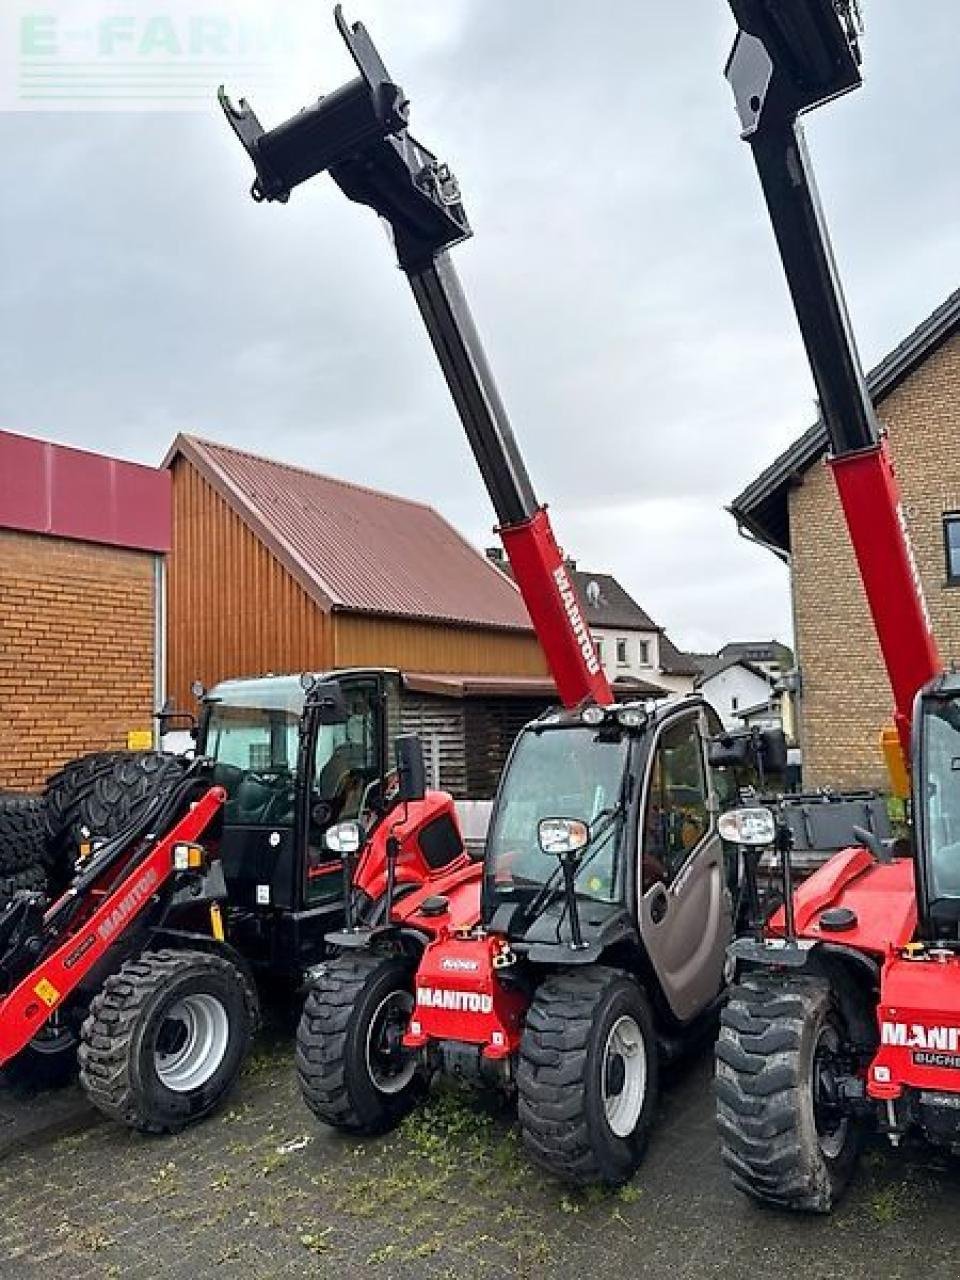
388, 786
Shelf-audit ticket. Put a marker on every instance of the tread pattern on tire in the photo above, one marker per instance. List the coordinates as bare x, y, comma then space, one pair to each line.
106, 1038
32, 878
22, 832
322, 1039
117, 795
766, 1139
551, 1102
63, 791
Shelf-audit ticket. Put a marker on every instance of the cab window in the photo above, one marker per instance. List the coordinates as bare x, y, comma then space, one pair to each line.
676, 816
346, 762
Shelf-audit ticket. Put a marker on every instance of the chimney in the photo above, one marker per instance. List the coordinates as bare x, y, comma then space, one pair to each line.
570, 563
496, 554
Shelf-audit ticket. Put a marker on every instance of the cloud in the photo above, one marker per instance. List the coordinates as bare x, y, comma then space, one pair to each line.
623, 275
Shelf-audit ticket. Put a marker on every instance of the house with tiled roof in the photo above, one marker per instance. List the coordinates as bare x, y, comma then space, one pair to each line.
636, 653
792, 509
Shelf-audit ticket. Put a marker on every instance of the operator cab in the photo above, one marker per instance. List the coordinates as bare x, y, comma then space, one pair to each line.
936, 785
292, 766
651, 869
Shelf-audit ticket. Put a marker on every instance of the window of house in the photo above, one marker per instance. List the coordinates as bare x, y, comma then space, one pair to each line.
734, 702
951, 543
598, 645
644, 653
621, 653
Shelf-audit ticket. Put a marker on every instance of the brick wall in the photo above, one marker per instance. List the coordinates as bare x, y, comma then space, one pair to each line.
76, 651
846, 696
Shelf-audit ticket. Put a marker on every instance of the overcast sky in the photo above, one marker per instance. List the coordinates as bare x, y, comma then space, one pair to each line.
622, 273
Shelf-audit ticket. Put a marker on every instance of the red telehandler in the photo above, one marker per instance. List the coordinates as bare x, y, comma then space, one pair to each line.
847, 1009
590, 945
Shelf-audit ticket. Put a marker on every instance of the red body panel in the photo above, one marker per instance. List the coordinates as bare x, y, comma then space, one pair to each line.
555, 611
412, 867
919, 1023
28, 1006
460, 998
460, 884
881, 894
870, 497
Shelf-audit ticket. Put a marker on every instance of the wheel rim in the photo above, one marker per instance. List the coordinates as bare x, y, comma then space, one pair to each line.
192, 1042
624, 1076
390, 1066
832, 1128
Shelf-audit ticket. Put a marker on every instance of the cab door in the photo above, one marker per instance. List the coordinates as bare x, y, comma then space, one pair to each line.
343, 779
685, 905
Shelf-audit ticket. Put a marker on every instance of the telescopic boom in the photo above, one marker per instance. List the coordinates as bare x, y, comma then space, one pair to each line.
359, 134
789, 57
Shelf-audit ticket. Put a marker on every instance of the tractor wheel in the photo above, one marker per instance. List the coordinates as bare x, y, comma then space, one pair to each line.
22, 835
587, 1078
166, 1037
781, 1135
61, 799
117, 796
354, 1071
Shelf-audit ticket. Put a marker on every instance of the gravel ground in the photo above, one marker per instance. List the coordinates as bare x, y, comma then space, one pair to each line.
260, 1190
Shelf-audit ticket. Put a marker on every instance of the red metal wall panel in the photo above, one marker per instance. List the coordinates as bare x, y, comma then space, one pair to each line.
49, 488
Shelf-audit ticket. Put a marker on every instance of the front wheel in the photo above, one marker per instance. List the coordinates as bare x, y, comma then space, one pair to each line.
784, 1136
354, 1071
587, 1079
166, 1038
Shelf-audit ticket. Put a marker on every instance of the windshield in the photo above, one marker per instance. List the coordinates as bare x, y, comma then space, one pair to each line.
255, 748
941, 795
558, 773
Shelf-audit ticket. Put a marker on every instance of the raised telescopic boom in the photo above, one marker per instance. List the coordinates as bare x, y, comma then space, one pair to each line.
359, 133
789, 57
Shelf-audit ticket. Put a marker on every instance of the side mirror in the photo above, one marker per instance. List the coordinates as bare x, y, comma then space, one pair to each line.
325, 699
751, 827
168, 715
345, 838
410, 767
773, 749
562, 836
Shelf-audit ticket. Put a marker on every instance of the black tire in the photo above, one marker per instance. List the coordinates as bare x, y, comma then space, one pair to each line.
62, 794
135, 1058
574, 1082
22, 834
777, 1037
32, 879
117, 795
353, 1073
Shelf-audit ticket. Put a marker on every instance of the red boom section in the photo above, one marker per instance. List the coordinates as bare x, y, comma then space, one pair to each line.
870, 496
555, 611
28, 1006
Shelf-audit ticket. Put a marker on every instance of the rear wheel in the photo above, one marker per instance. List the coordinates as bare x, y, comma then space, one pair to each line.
50, 1059
166, 1038
355, 1073
587, 1078
783, 1133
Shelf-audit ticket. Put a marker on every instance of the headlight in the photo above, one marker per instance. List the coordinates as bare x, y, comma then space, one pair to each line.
632, 717
344, 838
754, 827
593, 715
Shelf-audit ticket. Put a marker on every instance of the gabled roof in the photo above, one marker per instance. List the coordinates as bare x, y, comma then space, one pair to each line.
607, 604
762, 507
757, 651
675, 663
357, 550
713, 664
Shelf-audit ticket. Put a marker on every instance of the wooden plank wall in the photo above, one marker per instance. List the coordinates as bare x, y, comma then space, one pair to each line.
422, 646
232, 608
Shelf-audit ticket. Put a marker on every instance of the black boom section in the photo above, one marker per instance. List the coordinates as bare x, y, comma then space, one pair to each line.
790, 56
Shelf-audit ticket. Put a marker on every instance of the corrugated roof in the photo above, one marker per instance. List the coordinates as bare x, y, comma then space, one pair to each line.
762, 506
356, 549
